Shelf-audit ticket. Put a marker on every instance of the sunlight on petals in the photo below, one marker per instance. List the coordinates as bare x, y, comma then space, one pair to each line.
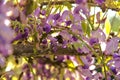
9, 13
92, 67
9, 66
94, 72
7, 22
103, 46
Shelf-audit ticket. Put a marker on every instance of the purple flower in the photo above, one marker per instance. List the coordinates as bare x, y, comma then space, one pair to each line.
37, 12
2, 40
98, 76
18, 37
114, 64
115, 55
77, 29
17, 29
78, 1
7, 33
83, 49
25, 35
42, 12
28, 74
39, 29
77, 9
78, 18
60, 58
93, 41
47, 28
21, 35
81, 8
87, 78
44, 41
66, 15
54, 19
79, 50
25, 66
56, 16
113, 69
68, 23
5, 47
118, 77
112, 45
85, 66
66, 36
64, 44
53, 43
74, 38
87, 73
100, 1
99, 34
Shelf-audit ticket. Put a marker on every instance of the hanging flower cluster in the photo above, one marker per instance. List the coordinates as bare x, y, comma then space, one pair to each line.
65, 44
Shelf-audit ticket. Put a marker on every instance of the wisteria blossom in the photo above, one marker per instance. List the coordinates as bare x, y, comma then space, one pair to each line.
59, 40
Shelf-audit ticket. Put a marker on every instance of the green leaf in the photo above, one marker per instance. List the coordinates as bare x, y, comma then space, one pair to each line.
61, 75
77, 45
56, 8
84, 26
40, 1
115, 23
107, 27
88, 30
70, 65
68, 5
30, 6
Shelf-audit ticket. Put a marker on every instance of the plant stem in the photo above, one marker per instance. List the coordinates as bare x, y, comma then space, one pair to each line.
103, 62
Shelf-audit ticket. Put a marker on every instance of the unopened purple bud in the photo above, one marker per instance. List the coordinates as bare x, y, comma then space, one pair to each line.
16, 29
28, 74
115, 55
47, 28
25, 35
44, 41
56, 16
43, 12
68, 23
79, 50
26, 30
74, 38
78, 1
87, 78
93, 41
113, 69
85, 67
60, 58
